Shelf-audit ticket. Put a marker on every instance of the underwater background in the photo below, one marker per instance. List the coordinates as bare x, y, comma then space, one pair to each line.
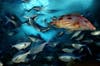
29, 21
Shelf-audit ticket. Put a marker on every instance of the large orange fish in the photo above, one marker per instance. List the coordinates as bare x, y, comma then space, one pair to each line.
73, 22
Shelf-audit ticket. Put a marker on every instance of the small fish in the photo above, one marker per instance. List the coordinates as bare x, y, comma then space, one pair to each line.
53, 44
34, 57
21, 58
32, 39
68, 50
52, 11
37, 8
38, 48
30, 19
12, 20
1, 64
49, 58
98, 59
68, 58
35, 38
73, 22
95, 33
88, 41
22, 45
80, 37
11, 33
77, 46
75, 34
26, 1
97, 44
60, 34
32, 23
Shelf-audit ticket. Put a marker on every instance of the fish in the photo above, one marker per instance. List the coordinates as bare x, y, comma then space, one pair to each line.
1, 64
30, 19
37, 8
32, 23
60, 34
75, 34
11, 33
38, 48
21, 45
13, 19
98, 60
95, 33
20, 58
73, 22
26, 1
45, 29
88, 41
32, 39
53, 44
97, 44
77, 46
68, 50
49, 58
68, 58
52, 11
80, 37
34, 57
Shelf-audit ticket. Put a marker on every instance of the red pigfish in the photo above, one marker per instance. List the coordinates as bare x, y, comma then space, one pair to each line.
73, 22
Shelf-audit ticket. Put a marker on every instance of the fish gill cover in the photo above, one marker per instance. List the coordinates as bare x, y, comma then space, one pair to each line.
49, 32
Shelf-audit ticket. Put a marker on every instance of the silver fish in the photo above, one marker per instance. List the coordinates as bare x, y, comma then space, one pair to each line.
12, 21
32, 39
49, 58
21, 58
54, 44
67, 58
38, 48
26, 1
75, 34
95, 33
11, 33
22, 45
88, 41
60, 34
44, 30
34, 57
77, 46
68, 50
98, 60
37, 8
98, 44
80, 37
30, 22
1, 64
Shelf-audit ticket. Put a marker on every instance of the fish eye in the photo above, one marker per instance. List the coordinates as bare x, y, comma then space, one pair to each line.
85, 21
25, 44
16, 59
69, 18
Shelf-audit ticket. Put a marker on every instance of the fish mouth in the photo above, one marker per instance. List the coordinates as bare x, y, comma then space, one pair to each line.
87, 25
91, 26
